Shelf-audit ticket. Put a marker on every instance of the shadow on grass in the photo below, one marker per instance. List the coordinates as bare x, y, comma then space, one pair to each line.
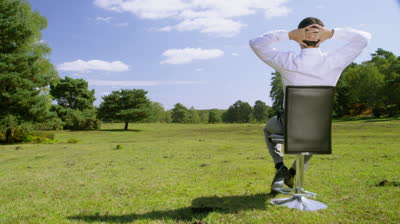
382, 120
122, 130
200, 208
366, 119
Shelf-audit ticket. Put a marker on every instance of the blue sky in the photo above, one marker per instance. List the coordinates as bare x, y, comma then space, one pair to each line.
194, 52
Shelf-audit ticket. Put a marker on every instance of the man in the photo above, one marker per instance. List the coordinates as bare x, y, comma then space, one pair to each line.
310, 67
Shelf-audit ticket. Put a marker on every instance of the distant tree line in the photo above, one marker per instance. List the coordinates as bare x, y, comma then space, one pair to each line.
154, 112
239, 112
371, 88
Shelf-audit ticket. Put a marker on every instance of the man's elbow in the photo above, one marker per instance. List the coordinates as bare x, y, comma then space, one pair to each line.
252, 43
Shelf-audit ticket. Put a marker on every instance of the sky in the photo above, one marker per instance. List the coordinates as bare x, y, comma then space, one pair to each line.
194, 52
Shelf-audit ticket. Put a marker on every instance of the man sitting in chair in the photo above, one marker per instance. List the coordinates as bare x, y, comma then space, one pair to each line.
309, 68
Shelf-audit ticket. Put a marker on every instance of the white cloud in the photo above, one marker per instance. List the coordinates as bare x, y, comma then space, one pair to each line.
187, 55
109, 20
95, 82
86, 66
104, 19
276, 12
217, 17
146, 9
213, 25
235, 54
166, 29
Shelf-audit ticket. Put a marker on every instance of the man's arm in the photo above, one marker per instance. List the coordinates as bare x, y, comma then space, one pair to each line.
262, 47
356, 41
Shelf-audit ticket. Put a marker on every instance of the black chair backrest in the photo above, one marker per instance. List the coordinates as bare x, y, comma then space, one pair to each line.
308, 119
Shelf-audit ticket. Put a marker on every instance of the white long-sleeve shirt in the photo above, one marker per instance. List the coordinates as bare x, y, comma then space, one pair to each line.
311, 67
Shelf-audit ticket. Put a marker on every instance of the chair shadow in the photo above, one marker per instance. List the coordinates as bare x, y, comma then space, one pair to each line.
199, 209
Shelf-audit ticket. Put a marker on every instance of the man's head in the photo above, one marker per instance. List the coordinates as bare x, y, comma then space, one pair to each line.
312, 34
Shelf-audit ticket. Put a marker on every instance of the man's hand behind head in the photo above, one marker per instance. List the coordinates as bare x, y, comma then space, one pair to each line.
311, 36
298, 35
306, 37
323, 34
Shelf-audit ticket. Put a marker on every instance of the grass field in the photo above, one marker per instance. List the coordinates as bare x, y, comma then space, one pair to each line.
197, 173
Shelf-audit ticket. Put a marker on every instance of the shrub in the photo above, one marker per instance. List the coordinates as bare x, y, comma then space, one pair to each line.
21, 131
25, 133
52, 124
8, 124
76, 119
12, 131
40, 137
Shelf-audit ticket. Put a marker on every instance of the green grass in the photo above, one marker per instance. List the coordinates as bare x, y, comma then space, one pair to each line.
171, 173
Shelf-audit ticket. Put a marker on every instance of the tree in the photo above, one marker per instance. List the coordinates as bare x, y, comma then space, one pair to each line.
25, 72
127, 105
157, 113
214, 116
168, 116
193, 116
369, 87
75, 104
388, 65
179, 114
239, 112
203, 114
261, 111
276, 92
73, 93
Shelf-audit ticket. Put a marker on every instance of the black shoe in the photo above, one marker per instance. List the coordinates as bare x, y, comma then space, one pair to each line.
281, 175
289, 180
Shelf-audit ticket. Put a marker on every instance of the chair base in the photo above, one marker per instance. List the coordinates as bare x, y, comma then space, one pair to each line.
299, 202
299, 198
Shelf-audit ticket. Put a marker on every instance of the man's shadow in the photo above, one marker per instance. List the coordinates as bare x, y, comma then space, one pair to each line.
199, 209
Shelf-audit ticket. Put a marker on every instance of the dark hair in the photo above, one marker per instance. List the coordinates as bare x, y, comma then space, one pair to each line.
308, 21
